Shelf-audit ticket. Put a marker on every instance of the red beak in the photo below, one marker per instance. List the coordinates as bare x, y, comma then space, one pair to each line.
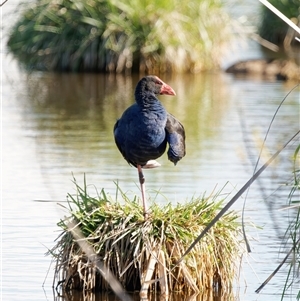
166, 89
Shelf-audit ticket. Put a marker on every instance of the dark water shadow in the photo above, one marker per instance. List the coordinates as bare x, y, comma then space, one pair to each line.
207, 295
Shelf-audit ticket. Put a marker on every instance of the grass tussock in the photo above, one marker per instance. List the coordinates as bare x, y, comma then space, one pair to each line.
121, 36
144, 254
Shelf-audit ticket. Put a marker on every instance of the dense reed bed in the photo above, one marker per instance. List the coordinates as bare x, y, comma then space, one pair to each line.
144, 254
121, 36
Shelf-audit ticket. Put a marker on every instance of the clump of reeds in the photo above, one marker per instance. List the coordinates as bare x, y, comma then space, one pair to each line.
144, 254
293, 233
117, 35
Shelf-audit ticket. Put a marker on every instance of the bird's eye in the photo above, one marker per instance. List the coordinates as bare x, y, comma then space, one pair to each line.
157, 80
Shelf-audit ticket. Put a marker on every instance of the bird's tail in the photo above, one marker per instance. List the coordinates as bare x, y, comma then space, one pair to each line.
151, 164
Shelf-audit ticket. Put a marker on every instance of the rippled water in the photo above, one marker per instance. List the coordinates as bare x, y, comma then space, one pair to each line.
56, 126
59, 125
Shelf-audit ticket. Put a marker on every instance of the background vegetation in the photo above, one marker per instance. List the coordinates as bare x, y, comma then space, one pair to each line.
272, 28
117, 35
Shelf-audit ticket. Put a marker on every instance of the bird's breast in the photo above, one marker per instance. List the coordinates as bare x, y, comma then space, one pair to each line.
152, 128
140, 135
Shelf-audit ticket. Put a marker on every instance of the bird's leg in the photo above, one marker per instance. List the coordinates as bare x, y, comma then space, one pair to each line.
142, 182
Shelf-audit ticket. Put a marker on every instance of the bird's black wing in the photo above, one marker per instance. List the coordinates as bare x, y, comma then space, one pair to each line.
125, 135
119, 138
176, 138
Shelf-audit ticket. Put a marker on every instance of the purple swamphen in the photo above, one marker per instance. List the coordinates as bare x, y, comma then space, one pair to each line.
145, 128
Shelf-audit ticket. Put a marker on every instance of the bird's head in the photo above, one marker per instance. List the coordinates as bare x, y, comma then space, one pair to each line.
153, 85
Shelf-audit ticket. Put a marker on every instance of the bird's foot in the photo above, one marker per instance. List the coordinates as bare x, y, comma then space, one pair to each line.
151, 164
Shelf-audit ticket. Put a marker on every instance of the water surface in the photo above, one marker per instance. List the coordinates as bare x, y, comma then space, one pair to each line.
56, 126
59, 126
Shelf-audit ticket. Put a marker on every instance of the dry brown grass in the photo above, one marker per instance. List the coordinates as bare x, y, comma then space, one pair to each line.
143, 254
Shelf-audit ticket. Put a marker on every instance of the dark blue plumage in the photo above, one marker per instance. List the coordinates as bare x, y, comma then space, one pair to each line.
145, 128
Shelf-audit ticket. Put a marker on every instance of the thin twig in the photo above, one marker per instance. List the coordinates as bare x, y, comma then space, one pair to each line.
278, 268
280, 15
236, 197
3, 3
256, 165
265, 43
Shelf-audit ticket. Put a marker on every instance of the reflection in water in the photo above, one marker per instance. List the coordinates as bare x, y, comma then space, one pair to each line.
76, 114
90, 296
95, 101
62, 123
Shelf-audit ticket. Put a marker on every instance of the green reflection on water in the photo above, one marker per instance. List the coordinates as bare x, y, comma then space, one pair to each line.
84, 107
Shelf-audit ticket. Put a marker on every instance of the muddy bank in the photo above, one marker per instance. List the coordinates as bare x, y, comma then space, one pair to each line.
267, 68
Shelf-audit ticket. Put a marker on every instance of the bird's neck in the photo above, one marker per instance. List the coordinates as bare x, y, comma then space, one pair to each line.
148, 101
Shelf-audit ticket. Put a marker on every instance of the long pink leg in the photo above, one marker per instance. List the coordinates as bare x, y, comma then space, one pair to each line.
142, 182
